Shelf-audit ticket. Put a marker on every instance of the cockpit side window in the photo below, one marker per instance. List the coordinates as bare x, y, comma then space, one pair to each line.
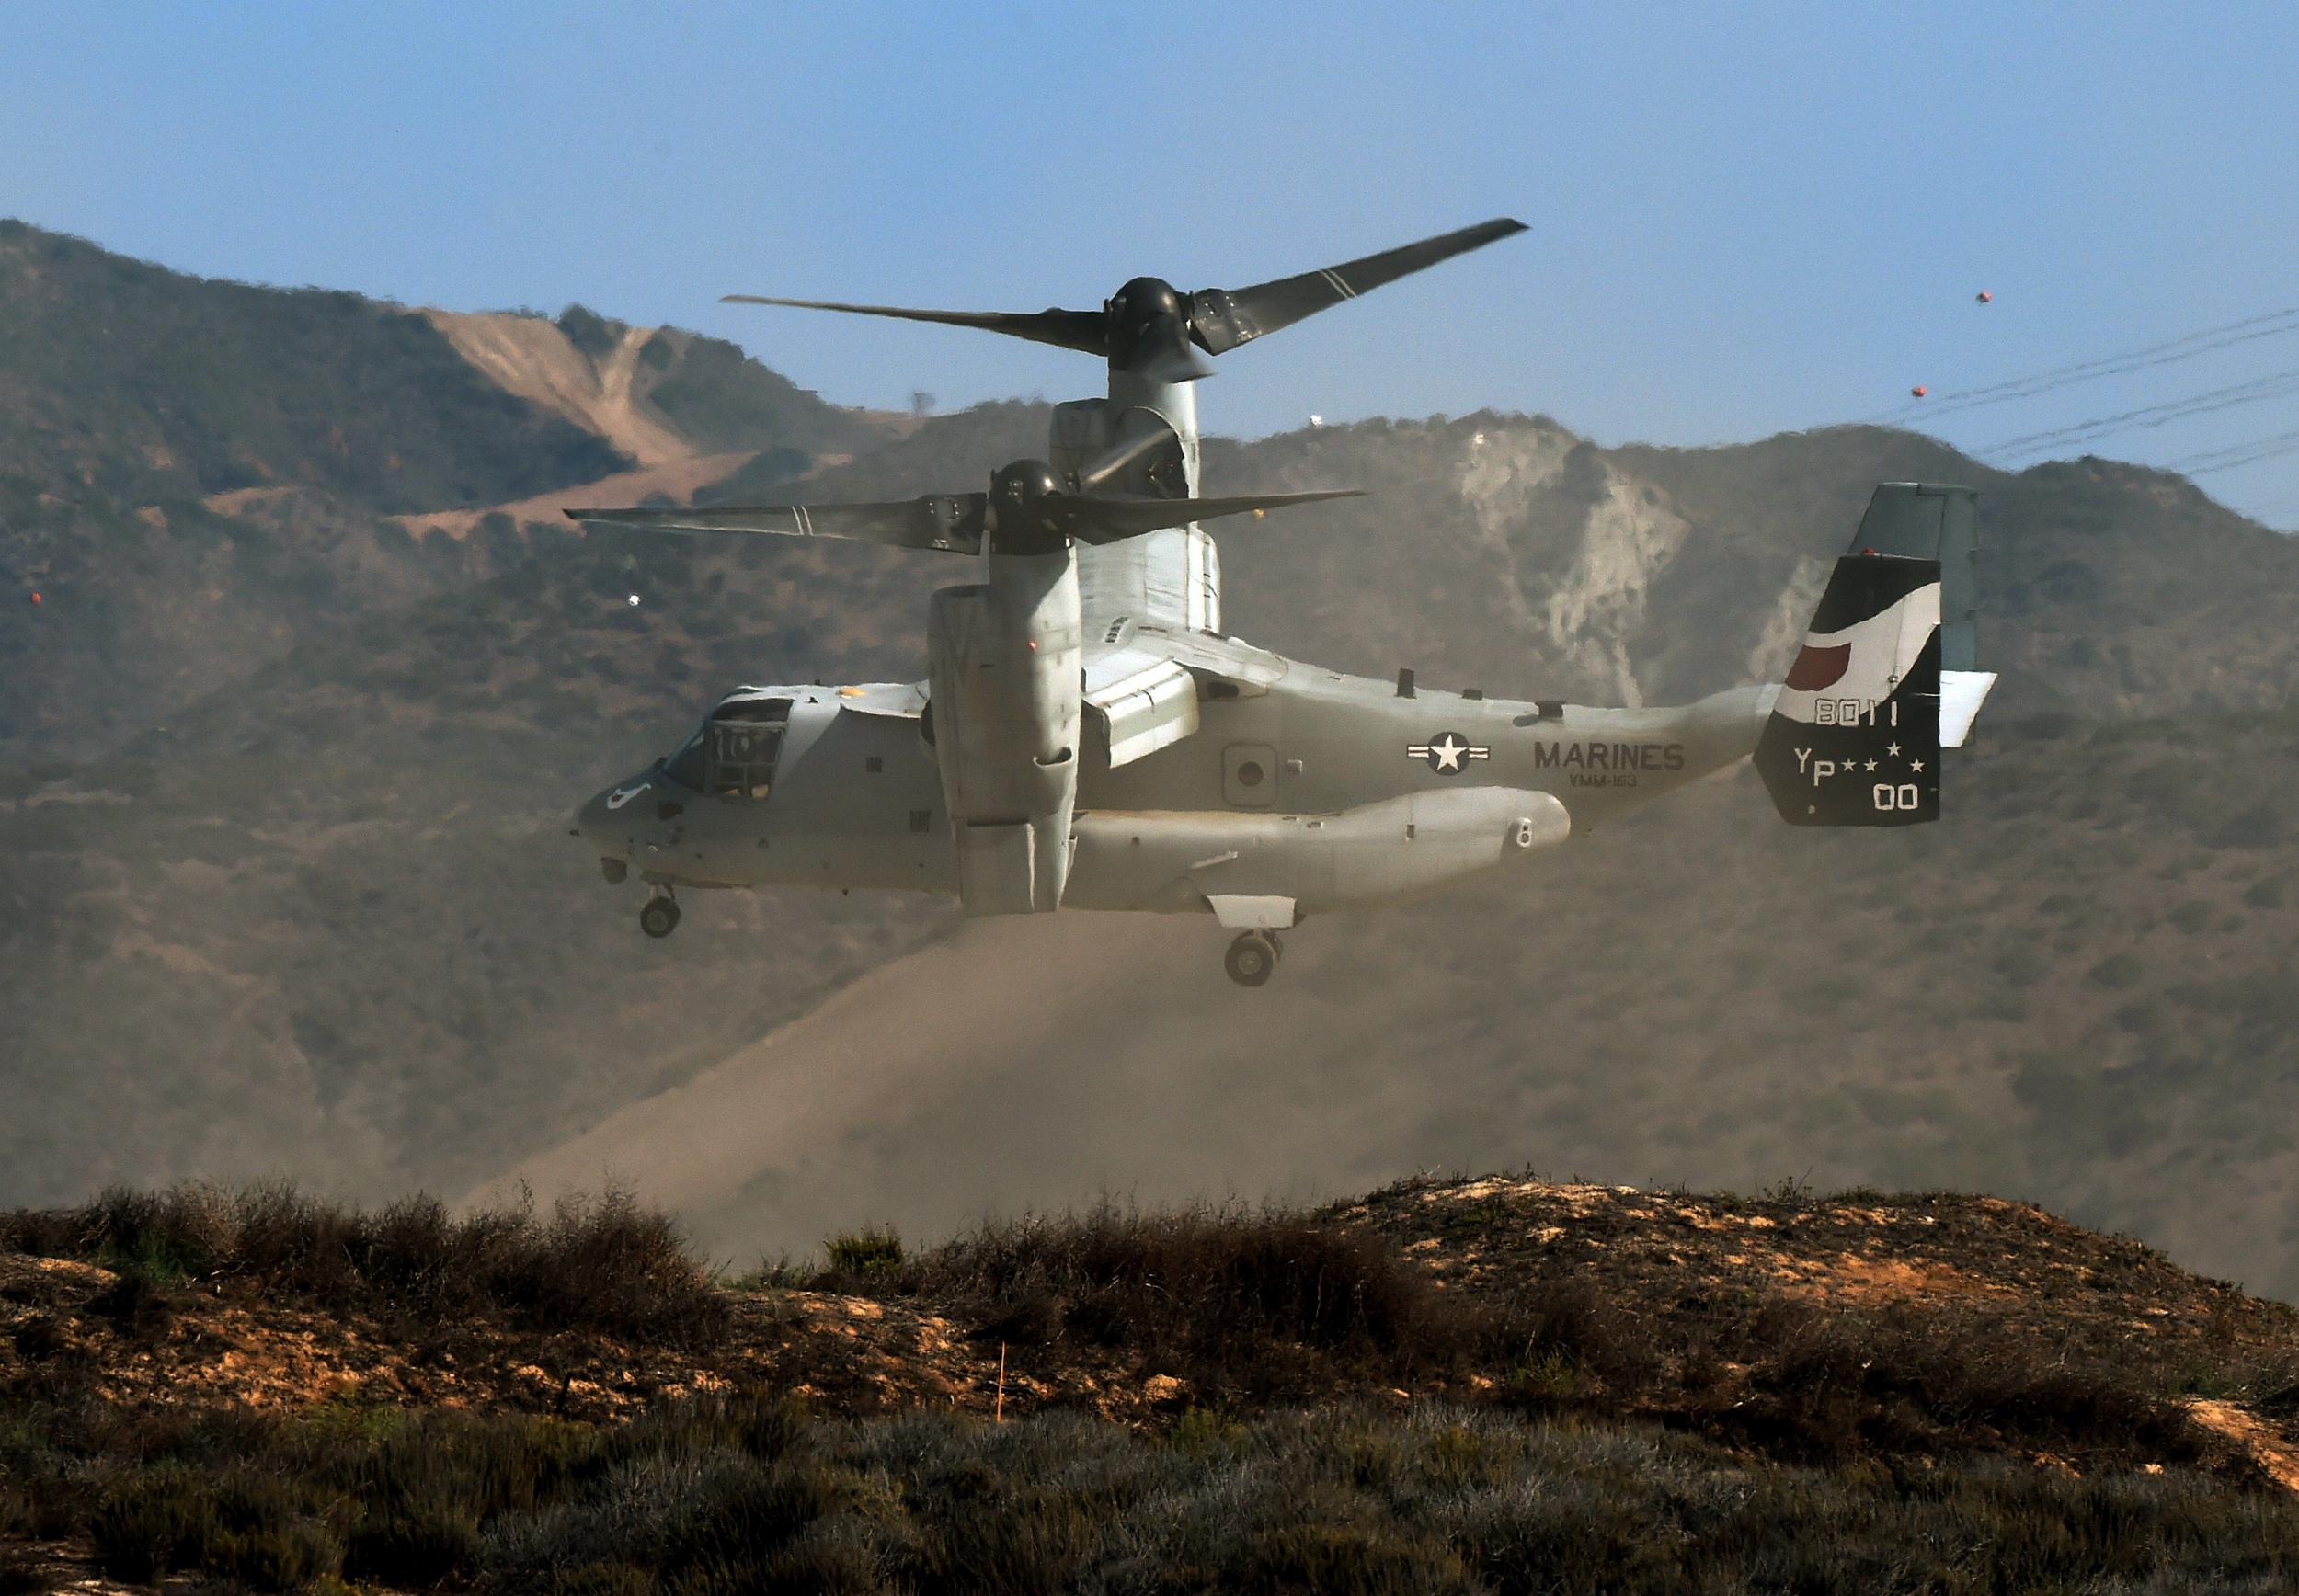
740, 744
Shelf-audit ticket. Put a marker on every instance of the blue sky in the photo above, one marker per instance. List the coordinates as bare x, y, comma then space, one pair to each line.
1745, 218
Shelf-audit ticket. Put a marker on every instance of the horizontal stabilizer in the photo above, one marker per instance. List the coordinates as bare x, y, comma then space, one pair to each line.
1961, 692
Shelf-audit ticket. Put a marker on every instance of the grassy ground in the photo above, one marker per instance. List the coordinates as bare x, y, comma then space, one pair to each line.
750, 1494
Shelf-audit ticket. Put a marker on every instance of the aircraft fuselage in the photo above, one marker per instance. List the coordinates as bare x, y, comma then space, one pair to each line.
1290, 788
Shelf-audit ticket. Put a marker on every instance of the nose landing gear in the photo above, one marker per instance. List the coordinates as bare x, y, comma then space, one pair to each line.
660, 917
1252, 958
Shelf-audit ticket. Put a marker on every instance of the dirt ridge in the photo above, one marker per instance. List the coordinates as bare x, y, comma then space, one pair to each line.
1664, 1269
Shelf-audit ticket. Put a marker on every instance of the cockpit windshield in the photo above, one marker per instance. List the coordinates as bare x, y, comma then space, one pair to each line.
733, 754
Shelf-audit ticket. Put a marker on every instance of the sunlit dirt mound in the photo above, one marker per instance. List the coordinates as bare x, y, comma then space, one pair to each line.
1686, 1262
1951, 1319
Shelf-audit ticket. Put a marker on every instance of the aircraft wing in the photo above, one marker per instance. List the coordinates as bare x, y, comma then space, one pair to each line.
1143, 697
1143, 682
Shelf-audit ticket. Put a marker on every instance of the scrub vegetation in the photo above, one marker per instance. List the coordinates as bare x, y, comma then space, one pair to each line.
751, 1493
1500, 1385
608, 1266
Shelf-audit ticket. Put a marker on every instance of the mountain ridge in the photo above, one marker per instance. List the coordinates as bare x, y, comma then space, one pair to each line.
285, 790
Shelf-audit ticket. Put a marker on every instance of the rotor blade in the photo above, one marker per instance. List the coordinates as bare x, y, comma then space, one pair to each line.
1080, 330
1099, 520
951, 521
1222, 319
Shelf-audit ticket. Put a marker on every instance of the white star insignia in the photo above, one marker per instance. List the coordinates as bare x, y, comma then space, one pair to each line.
1871, 764
1916, 764
1893, 750
1449, 753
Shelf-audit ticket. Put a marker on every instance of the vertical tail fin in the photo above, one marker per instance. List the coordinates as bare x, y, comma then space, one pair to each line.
1855, 734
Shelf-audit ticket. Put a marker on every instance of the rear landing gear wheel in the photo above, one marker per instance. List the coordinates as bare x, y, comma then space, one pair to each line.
1251, 959
660, 917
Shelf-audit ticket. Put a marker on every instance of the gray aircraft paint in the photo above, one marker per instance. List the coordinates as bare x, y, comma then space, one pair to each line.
1327, 747
1173, 575
1102, 744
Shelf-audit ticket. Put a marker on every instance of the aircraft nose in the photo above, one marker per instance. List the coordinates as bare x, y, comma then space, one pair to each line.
592, 818
592, 824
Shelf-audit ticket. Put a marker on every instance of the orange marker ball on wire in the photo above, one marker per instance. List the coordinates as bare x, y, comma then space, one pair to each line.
1919, 390
37, 600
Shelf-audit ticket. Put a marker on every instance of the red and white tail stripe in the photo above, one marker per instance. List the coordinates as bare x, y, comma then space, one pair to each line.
1865, 661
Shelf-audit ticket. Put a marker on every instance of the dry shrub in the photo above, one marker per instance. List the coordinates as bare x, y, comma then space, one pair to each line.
1257, 1301
1826, 1385
604, 1264
866, 1251
1568, 1342
260, 1530
134, 1306
39, 1338
746, 1493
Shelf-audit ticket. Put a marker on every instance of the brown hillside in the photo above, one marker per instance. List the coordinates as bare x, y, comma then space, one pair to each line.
285, 796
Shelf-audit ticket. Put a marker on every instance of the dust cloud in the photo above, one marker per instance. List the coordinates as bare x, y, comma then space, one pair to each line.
1020, 1064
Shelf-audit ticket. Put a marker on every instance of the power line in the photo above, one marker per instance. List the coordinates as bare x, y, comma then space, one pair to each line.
2236, 454
2272, 386
2268, 324
2252, 459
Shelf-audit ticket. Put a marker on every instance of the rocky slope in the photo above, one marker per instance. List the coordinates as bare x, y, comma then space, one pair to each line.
197, 475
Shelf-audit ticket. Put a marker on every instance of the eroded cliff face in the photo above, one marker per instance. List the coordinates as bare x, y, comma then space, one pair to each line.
1785, 623
1581, 544
1596, 611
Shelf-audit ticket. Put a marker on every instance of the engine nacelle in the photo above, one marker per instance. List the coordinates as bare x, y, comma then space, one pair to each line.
1004, 659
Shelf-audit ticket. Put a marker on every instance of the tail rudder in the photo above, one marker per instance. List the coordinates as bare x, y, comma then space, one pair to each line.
1854, 735
1888, 671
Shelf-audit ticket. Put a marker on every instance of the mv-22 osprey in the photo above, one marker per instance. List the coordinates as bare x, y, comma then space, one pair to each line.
1088, 737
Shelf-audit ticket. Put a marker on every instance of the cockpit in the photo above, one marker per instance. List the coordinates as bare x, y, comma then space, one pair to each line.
732, 755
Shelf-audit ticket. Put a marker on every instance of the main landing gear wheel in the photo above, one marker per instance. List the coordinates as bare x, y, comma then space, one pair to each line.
1252, 958
660, 917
